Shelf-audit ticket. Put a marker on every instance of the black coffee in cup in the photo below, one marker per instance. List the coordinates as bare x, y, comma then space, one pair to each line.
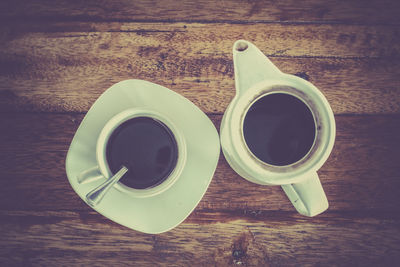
147, 147
279, 129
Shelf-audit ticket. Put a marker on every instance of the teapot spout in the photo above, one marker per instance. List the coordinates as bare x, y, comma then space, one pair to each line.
251, 66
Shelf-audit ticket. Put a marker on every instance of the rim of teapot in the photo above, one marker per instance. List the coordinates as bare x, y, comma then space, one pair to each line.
319, 151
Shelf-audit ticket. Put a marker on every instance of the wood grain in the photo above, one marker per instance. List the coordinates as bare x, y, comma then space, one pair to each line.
57, 57
356, 67
205, 239
354, 11
362, 173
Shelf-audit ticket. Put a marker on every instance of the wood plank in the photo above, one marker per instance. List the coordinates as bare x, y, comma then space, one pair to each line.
114, 38
356, 67
354, 11
205, 239
362, 172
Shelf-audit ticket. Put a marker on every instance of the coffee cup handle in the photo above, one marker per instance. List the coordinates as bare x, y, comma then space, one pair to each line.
90, 175
308, 196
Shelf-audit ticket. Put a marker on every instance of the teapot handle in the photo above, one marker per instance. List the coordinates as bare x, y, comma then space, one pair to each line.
308, 197
251, 66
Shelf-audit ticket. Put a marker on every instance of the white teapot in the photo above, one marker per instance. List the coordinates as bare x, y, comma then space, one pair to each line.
259, 82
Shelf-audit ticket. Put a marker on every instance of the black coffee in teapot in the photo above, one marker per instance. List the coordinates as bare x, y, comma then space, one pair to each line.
279, 129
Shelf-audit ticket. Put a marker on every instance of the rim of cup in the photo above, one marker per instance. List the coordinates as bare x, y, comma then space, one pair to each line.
114, 123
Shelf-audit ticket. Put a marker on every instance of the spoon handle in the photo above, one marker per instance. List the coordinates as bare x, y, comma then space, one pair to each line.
96, 195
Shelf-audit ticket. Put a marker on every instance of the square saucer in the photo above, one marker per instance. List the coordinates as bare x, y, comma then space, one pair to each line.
166, 210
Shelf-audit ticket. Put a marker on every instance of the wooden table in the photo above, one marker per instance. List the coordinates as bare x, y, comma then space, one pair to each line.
57, 57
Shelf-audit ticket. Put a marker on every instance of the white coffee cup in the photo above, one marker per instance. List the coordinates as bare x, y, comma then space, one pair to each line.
255, 77
102, 170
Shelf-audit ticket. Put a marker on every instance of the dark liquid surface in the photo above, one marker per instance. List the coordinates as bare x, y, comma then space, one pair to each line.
279, 129
146, 147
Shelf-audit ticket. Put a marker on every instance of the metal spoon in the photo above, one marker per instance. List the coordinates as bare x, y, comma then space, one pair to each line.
96, 195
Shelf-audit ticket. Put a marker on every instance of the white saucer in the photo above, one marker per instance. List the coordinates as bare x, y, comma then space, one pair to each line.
162, 212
